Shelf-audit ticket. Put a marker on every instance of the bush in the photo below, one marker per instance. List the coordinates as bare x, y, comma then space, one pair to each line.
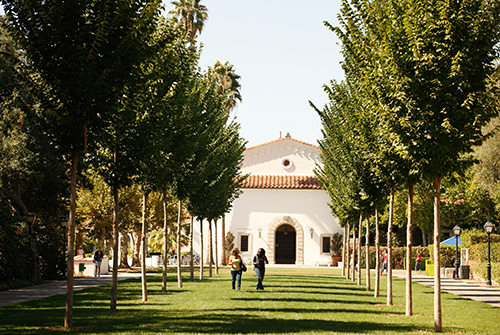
448, 254
472, 237
398, 256
478, 260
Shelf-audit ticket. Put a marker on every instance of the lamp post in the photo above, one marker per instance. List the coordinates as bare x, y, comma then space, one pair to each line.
488, 227
456, 231
312, 232
260, 232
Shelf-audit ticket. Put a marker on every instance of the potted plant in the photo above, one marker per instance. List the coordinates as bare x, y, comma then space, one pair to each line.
336, 248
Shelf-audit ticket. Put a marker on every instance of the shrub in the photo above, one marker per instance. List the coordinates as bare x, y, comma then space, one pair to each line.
448, 254
336, 245
472, 237
398, 256
478, 260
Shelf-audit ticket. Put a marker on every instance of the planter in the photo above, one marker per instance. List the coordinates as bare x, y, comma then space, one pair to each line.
336, 260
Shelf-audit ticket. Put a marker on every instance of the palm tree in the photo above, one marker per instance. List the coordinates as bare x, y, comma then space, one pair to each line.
229, 82
190, 14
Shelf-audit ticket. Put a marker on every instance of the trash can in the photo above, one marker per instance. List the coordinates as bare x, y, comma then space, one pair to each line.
81, 267
464, 272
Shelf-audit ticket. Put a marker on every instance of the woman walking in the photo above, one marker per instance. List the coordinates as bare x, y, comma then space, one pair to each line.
235, 262
259, 263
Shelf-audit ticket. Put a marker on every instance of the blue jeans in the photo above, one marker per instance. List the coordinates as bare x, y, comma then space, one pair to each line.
260, 277
236, 275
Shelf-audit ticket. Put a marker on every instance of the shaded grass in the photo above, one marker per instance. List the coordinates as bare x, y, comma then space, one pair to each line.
295, 300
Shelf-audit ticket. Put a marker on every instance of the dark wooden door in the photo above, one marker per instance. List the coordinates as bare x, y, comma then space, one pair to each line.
285, 245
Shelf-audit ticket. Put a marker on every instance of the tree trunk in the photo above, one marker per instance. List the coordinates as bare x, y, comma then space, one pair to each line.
223, 234
124, 251
210, 250
389, 246
409, 241
136, 259
215, 248
344, 239
360, 231
116, 236
165, 245
367, 251
179, 271
144, 247
348, 252
68, 317
191, 253
424, 238
353, 264
438, 322
201, 249
377, 254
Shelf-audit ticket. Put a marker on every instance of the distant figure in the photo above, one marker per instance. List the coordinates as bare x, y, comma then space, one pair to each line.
97, 261
418, 263
384, 263
235, 261
259, 263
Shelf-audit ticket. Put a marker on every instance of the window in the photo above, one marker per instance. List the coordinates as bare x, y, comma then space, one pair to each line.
325, 244
244, 243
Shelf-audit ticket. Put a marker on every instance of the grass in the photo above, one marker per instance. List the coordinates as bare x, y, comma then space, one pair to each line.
295, 300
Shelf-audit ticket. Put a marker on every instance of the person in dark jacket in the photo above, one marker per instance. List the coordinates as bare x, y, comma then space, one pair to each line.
97, 261
259, 263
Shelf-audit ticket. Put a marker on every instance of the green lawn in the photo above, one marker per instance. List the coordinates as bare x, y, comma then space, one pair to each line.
295, 300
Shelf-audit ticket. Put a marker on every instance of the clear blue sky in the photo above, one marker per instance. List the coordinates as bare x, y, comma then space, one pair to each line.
283, 53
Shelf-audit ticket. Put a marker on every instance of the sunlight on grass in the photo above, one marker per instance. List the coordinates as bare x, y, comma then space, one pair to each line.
295, 300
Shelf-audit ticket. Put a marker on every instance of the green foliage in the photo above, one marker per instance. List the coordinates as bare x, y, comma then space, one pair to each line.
478, 260
190, 16
472, 237
447, 254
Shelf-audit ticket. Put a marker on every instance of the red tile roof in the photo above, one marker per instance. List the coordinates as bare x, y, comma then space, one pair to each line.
282, 182
283, 139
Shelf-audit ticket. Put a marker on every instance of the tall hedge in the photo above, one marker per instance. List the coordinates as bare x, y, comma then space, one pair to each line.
478, 260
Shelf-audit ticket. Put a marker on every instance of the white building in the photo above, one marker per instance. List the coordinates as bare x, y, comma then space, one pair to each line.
282, 208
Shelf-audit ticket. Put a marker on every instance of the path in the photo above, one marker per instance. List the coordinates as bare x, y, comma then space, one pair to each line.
471, 289
56, 287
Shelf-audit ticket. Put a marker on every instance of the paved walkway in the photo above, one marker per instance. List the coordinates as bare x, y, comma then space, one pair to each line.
471, 289
56, 287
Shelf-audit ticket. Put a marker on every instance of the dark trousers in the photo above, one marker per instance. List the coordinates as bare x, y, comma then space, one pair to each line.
260, 277
236, 276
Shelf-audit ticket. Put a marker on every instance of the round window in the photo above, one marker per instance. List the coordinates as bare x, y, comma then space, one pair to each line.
286, 163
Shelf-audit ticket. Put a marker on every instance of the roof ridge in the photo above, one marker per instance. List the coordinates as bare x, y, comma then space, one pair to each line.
281, 139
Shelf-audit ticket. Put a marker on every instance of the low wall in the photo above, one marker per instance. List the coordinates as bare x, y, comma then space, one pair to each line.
89, 266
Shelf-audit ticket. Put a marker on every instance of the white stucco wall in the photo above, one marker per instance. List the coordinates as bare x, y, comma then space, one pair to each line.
266, 209
258, 208
266, 159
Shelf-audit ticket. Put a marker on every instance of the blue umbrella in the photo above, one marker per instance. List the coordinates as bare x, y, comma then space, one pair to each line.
451, 241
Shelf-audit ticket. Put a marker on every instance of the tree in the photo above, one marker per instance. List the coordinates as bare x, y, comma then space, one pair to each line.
191, 16
31, 171
84, 52
441, 81
228, 82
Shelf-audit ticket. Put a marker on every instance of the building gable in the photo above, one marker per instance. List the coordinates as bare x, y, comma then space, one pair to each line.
282, 157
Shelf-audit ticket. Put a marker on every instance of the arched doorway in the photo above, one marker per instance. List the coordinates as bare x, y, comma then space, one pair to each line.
286, 239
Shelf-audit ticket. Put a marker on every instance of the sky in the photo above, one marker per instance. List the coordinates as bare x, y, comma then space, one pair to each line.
284, 55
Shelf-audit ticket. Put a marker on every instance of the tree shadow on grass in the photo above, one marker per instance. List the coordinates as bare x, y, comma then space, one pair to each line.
216, 323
